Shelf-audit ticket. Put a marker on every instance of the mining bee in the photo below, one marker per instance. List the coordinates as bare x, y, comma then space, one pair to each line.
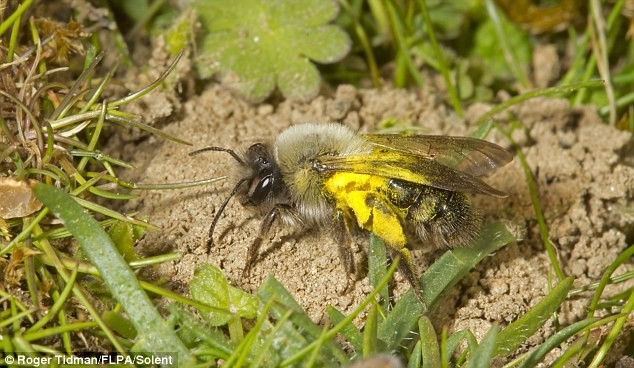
395, 186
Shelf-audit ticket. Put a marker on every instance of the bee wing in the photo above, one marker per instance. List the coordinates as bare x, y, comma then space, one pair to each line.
408, 167
470, 155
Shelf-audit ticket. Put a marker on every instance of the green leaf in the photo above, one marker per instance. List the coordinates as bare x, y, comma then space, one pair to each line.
430, 350
377, 266
122, 234
154, 333
457, 338
120, 324
555, 340
482, 130
272, 291
298, 72
178, 35
256, 45
199, 334
209, 286
487, 47
135, 9
482, 355
369, 331
517, 332
303, 13
350, 332
442, 275
279, 343
416, 356
448, 17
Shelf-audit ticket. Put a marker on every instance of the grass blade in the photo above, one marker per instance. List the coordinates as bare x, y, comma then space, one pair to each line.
442, 275
517, 332
154, 334
350, 332
429, 343
272, 291
483, 354
555, 340
377, 267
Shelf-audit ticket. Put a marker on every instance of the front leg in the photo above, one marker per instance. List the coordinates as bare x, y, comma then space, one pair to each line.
344, 241
265, 227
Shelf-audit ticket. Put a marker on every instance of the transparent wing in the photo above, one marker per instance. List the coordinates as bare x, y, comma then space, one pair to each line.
405, 166
469, 155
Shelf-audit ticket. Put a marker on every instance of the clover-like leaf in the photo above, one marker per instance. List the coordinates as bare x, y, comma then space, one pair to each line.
256, 45
211, 287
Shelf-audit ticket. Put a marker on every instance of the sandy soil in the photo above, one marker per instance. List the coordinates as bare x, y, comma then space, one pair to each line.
584, 172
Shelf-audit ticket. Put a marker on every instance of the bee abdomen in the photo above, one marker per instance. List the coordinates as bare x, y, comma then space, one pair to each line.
402, 194
444, 218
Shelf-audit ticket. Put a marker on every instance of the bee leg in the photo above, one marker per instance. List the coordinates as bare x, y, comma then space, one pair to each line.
265, 227
344, 242
386, 224
251, 256
406, 268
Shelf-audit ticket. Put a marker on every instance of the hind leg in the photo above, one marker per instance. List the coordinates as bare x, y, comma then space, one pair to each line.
406, 268
386, 224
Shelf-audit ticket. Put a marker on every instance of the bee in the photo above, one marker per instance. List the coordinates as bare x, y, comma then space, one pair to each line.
401, 188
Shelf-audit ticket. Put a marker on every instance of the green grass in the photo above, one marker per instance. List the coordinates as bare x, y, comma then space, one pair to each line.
90, 286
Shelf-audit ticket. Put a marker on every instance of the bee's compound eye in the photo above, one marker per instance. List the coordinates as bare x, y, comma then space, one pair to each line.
442, 210
261, 190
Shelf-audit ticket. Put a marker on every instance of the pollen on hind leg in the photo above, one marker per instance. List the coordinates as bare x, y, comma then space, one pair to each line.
387, 226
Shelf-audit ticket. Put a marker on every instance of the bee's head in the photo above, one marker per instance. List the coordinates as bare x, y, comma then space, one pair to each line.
261, 183
263, 180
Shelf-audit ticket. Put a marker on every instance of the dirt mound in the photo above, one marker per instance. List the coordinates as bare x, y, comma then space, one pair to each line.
584, 181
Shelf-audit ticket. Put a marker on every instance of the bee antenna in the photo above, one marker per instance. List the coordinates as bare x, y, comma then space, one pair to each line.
210, 242
229, 151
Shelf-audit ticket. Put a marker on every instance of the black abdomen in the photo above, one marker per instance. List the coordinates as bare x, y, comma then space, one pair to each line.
440, 217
